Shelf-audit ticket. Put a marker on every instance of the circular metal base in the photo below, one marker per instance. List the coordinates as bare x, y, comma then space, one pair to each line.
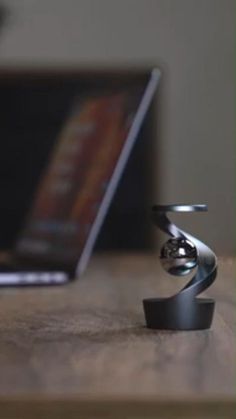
171, 314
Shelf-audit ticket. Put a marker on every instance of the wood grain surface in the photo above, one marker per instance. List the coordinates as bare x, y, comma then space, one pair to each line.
83, 349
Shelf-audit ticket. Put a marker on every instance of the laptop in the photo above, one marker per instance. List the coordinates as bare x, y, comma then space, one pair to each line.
77, 186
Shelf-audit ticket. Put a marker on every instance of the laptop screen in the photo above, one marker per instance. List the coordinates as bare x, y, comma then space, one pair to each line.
66, 212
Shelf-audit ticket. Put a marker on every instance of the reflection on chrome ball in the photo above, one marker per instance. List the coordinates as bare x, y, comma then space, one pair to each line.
178, 256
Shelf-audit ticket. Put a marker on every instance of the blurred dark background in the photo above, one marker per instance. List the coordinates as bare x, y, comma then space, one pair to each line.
3, 15
193, 155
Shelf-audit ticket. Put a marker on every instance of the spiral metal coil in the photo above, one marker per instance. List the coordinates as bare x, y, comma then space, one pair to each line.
184, 310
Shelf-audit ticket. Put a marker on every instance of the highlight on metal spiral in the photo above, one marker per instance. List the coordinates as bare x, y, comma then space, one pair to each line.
179, 256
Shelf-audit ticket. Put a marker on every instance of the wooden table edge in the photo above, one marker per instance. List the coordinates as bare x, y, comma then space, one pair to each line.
115, 407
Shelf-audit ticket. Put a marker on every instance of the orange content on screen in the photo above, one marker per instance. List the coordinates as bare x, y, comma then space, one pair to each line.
78, 174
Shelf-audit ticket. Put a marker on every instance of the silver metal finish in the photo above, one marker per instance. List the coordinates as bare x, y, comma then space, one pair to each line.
179, 256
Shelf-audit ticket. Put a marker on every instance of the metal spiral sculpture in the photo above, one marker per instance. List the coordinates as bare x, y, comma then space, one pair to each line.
179, 255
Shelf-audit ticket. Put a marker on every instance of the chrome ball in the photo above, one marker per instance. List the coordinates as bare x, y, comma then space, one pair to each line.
178, 256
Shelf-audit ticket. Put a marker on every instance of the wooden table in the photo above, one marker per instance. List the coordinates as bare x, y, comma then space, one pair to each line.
82, 350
